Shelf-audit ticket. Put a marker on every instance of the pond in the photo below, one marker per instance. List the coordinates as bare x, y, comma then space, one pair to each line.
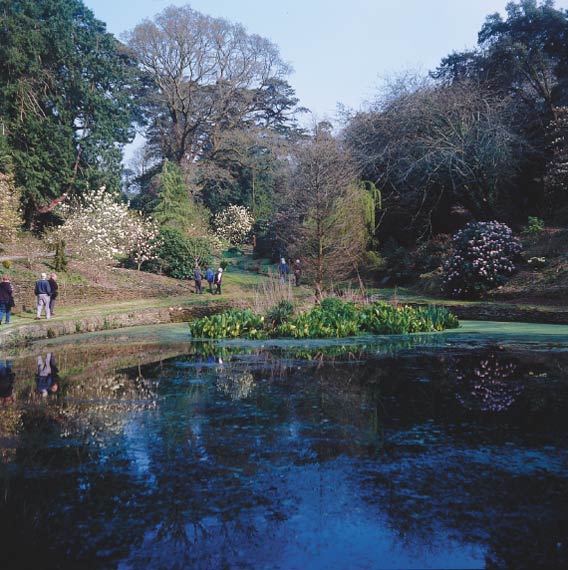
141, 450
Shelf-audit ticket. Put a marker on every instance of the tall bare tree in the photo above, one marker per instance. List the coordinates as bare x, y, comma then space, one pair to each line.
437, 147
323, 217
211, 77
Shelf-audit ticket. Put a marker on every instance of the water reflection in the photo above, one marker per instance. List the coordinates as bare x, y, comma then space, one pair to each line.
488, 384
356, 457
47, 377
7, 377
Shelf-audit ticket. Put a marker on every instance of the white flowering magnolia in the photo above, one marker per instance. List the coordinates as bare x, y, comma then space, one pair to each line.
233, 224
99, 228
11, 216
143, 236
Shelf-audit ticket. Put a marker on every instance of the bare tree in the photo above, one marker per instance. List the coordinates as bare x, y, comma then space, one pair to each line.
211, 77
436, 147
323, 219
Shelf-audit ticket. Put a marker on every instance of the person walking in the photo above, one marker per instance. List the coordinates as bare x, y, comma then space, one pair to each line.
217, 280
43, 292
198, 278
54, 292
6, 298
210, 277
297, 268
283, 270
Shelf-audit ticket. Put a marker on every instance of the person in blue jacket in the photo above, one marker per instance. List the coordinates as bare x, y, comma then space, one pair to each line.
209, 277
283, 270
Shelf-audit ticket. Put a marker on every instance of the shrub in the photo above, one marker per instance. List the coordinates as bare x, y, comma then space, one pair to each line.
7, 264
334, 318
60, 259
534, 226
482, 259
372, 263
280, 312
398, 264
180, 254
430, 255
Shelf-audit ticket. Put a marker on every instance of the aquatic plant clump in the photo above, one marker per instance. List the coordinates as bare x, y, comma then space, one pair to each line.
333, 318
381, 318
231, 324
482, 259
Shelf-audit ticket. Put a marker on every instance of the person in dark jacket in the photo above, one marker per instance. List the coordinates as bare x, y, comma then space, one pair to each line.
43, 293
198, 278
297, 268
54, 292
6, 298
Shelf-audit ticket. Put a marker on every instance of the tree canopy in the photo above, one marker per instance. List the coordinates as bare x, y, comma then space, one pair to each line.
64, 99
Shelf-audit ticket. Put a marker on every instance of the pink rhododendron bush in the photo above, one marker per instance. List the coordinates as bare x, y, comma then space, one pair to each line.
483, 258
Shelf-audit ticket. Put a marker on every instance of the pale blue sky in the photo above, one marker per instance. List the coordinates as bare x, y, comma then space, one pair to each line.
340, 51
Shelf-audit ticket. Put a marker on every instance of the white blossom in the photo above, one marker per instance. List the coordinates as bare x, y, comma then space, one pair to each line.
97, 227
233, 224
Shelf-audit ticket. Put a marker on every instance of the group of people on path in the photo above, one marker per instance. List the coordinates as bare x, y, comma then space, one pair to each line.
46, 292
211, 277
284, 270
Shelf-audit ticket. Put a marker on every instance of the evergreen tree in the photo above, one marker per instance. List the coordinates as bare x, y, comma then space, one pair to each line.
175, 208
64, 100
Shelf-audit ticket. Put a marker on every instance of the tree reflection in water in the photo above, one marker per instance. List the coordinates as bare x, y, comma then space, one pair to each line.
363, 456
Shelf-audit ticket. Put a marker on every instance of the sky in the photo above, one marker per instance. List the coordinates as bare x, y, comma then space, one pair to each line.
341, 51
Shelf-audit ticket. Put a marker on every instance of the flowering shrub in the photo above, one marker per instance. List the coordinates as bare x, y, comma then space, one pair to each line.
233, 224
143, 237
98, 228
482, 259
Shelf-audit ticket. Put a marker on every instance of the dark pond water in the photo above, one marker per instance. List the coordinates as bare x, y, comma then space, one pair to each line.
423, 452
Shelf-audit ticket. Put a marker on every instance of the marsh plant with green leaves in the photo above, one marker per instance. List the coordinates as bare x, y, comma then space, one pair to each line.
332, 318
